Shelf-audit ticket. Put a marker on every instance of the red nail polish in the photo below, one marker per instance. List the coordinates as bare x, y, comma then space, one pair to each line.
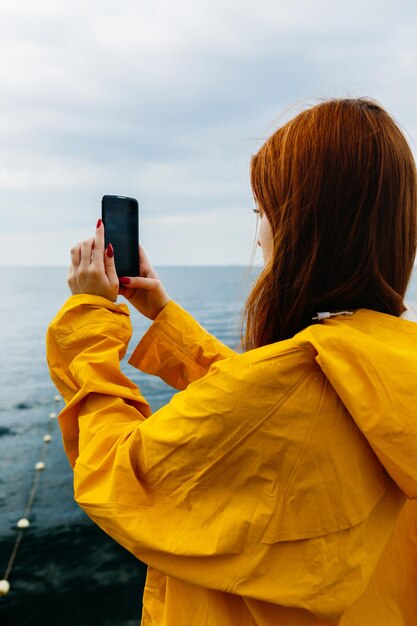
124, 280
99, 223
110, 251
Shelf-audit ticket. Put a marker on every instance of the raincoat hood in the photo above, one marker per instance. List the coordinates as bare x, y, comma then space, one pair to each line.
370, 359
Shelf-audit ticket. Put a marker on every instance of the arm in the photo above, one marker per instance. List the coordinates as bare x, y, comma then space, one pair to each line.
177, 349
166, 487
90, 335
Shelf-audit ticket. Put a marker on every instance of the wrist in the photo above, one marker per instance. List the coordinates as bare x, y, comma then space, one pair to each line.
160, 308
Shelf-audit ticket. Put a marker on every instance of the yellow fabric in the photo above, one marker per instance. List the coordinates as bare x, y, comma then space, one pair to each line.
272, 489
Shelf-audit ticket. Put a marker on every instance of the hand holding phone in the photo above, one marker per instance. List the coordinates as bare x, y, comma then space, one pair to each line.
120, 216
146, 292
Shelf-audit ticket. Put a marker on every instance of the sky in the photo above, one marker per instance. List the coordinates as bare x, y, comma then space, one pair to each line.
166, 102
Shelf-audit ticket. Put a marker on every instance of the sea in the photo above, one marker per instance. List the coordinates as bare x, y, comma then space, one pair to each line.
62, 569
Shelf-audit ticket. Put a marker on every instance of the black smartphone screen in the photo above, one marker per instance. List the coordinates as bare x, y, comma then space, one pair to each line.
120, 216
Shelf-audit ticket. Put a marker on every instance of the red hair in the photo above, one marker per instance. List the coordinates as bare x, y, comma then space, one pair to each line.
338, 186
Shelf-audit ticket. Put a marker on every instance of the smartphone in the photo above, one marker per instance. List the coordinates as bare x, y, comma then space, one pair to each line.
120, 216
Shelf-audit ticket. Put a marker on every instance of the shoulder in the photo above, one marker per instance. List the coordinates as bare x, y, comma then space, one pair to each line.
281, 364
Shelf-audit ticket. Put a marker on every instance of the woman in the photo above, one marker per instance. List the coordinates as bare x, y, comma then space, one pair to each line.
278, 486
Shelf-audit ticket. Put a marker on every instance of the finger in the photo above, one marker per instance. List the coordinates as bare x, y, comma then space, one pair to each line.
110, 266
140, 282
86, 252
98, 244
71, 277
72, 281
146, 268
76, 255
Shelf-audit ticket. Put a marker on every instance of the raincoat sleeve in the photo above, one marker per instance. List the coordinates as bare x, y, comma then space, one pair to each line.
177, 349
85, 343
165, 487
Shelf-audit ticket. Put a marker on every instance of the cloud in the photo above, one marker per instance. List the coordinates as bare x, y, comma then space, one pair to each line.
167, 101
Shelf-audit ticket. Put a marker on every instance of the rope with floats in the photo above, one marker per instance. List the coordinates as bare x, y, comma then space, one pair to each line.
24, 522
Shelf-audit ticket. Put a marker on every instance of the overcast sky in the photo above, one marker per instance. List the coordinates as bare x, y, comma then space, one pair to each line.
166, 101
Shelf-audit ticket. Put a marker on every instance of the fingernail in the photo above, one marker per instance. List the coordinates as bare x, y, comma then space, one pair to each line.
109, 250
99, 223
124, 280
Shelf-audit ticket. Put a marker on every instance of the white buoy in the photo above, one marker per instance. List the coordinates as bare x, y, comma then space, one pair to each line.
47, 438
23, 523
4, 587
40, 465
57, 398
52, 415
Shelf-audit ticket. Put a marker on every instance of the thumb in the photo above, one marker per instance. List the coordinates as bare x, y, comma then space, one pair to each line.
110, 266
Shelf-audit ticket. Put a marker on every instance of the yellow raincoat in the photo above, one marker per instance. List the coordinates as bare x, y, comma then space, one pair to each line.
276, 488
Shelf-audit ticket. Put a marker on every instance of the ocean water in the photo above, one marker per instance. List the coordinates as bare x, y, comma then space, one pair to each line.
67, 571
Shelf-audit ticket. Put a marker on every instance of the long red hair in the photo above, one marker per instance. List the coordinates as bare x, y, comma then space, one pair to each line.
338, 186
